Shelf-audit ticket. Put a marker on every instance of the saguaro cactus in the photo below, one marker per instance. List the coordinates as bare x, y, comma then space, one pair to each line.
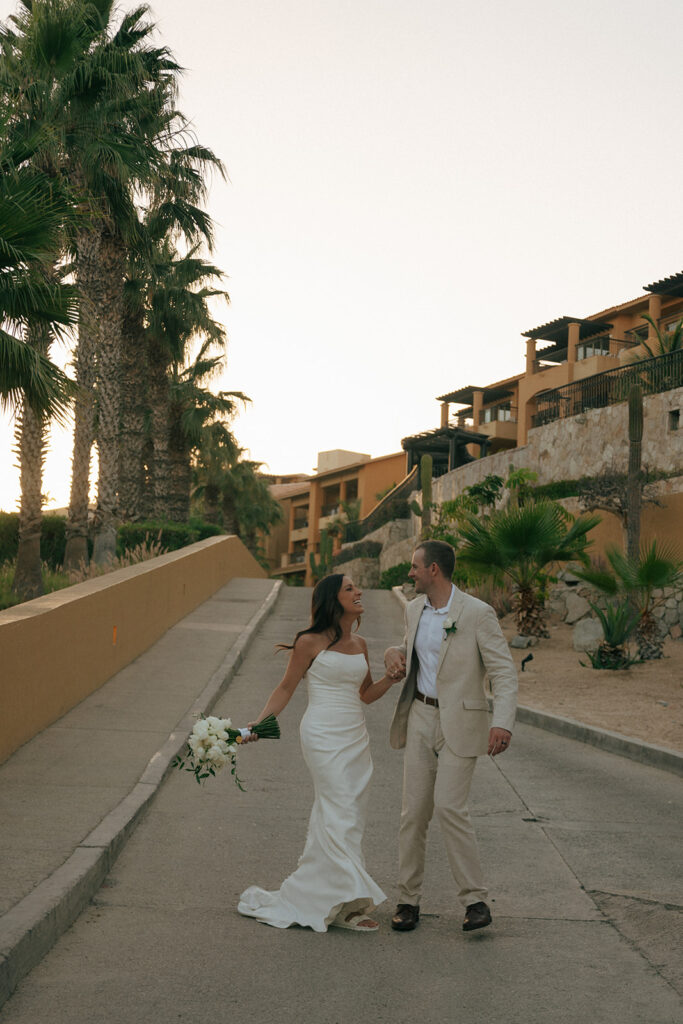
635, 483
424, 511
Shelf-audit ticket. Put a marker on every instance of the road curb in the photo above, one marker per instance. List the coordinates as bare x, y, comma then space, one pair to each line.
611, 742
32, 926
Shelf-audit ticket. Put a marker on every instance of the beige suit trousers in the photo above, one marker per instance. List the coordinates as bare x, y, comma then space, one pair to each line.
436, 779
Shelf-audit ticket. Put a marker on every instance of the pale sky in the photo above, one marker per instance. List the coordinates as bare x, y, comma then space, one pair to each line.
412, 185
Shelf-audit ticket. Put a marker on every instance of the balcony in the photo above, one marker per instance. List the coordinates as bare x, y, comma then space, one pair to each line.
329, 510
609, 388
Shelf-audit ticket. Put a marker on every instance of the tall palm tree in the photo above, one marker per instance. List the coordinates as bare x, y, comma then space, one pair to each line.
521, 544
33, 212
178, 312
192, 407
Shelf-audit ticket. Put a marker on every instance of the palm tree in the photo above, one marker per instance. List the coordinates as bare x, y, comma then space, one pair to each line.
217, 454
521, 543
178, 313
31, 215
667, 341
192, 406
33, 212
635, 581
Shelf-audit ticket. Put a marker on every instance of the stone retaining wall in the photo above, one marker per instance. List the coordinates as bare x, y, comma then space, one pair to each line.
588, 444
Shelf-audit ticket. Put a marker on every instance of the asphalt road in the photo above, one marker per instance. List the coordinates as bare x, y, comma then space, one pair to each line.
583, 857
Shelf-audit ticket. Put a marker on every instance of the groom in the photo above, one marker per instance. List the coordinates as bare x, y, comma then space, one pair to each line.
452, 642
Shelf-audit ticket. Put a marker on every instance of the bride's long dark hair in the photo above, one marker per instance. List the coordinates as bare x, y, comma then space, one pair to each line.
326, 611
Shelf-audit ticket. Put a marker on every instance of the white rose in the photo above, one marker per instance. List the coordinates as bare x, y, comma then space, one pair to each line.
201, 729
214, 753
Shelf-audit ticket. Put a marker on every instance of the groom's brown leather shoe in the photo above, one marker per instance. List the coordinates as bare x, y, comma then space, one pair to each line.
477, 915
405, 918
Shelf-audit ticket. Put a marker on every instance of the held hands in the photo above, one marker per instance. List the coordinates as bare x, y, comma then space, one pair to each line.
499, 741
395, 664
252, 737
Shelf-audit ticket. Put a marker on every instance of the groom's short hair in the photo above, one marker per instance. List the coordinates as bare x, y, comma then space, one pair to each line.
440, 552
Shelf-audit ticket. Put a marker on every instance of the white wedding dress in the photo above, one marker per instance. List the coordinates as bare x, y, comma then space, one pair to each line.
331, 878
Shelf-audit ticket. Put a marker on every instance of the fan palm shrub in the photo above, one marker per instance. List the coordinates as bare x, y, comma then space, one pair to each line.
521, 544
639, 582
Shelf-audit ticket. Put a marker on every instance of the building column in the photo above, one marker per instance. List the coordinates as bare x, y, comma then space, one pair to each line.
573, 335
654, 309
530, 355
444, 414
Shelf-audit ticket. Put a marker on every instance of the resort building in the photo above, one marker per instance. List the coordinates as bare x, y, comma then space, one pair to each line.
567, 361
345, 485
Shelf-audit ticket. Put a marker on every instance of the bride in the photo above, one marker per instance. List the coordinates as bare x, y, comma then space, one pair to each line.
330, 886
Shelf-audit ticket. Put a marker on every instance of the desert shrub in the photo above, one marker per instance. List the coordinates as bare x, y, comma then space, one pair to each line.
394, 576
363, 549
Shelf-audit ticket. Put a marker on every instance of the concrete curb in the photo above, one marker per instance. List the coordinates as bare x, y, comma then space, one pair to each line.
611, 742
31, 927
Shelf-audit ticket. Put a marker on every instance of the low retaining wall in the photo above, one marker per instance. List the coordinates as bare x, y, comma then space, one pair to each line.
58, 649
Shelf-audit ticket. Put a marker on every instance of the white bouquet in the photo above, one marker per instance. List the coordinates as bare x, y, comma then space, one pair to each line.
213, 744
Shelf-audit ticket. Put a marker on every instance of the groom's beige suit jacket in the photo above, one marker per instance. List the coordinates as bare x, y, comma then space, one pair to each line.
476, 650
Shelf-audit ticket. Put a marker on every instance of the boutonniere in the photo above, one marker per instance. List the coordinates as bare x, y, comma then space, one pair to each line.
449, 626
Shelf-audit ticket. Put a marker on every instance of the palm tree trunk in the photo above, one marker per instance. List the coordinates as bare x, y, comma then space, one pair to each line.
112, 268
133, 406
31, 445
76, 551
159, 398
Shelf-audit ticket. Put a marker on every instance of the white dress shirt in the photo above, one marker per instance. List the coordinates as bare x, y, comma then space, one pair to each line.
428, 639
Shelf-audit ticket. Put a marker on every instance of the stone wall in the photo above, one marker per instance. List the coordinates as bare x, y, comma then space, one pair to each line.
588, 444
571, 602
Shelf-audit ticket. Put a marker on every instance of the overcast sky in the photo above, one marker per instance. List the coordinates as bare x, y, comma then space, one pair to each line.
411, 186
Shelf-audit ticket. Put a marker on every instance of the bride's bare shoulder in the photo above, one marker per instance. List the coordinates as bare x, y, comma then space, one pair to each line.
309, 644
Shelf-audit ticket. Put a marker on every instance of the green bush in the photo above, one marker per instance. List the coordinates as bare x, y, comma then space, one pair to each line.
395, 576
9, 536
363, 549
52, 538
171, 536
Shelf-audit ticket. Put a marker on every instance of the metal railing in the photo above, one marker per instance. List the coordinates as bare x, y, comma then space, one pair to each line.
609, 388
297, 557
300, 524
329, 510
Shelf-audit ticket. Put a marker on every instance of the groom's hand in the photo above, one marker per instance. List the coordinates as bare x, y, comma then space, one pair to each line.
499, 740
395, 663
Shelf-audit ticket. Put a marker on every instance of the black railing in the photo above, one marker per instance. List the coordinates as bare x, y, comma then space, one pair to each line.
393, 505
609, 388
300, 524
329, 510
296, 557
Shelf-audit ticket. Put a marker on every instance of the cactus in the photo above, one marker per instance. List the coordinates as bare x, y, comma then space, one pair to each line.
322, 566
424, 511
634, 483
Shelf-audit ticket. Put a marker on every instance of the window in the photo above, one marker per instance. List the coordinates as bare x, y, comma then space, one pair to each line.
496, 413
674, 419
594, 347
351, 489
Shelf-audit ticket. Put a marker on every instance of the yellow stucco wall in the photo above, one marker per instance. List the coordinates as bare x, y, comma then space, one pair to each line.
663, 523
58, 649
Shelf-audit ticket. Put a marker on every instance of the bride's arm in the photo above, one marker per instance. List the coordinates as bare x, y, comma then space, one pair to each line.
369, 691
301, 657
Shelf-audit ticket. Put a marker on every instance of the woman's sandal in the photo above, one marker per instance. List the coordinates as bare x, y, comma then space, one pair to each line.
355, 924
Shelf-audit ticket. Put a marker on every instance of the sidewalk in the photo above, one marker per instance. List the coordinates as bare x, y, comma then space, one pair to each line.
70, 796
